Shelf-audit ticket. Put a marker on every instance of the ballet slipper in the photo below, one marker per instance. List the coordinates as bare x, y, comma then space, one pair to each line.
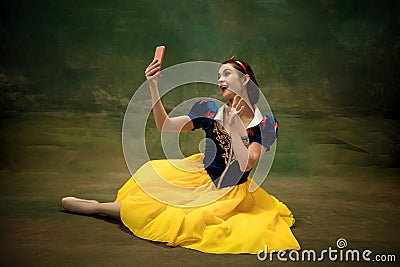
78, 205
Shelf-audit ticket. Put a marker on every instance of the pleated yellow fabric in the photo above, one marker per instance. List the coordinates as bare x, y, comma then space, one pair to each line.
238, 222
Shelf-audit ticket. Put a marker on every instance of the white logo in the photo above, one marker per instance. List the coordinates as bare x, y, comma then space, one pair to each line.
341, 243
330, 254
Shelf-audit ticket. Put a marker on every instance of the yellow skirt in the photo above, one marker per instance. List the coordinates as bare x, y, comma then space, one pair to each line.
186, 209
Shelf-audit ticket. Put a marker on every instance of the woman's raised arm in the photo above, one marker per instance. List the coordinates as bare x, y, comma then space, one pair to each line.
163, 121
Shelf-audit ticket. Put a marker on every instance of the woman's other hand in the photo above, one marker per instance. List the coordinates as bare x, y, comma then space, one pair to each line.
232, 115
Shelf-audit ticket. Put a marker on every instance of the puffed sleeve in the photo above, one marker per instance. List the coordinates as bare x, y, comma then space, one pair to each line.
268, 131
201, 112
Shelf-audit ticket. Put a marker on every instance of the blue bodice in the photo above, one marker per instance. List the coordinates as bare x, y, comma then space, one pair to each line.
218, 152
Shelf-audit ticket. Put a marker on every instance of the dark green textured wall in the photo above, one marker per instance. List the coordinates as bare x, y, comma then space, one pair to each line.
318, 55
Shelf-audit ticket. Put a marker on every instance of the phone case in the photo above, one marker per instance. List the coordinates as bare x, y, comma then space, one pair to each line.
159, 53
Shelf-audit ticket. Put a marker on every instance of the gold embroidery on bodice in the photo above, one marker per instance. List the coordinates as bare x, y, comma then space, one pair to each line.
224, 140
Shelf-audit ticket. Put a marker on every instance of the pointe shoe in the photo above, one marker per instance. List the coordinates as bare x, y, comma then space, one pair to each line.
78, 205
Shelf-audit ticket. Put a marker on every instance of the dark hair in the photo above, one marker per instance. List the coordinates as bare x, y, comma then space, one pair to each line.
244, 68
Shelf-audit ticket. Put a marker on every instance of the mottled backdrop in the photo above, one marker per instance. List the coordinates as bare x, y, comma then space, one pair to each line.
321, 54
329, 69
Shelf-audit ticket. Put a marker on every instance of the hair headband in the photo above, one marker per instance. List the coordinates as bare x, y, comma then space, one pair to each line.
240, 64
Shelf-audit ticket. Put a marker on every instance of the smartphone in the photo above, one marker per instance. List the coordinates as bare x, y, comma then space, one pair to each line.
159, 53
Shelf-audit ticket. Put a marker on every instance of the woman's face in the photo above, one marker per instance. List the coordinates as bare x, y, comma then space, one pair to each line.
231, 83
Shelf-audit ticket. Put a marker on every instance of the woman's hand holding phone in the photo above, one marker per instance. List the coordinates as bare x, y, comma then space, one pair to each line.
152, 71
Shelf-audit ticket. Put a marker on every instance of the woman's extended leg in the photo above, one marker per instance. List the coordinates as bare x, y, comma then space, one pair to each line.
91, 207
110, 209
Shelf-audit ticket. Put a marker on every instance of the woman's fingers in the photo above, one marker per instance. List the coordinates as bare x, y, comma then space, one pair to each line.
238, 110
152, 69
237, 104
236, 101
154, 62
152, 65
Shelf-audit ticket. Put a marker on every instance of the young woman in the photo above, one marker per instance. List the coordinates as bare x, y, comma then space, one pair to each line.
218, 213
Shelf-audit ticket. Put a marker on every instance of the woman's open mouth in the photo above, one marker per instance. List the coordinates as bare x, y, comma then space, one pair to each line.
223, 88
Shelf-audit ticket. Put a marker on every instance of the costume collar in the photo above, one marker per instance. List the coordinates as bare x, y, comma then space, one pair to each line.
256, 120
